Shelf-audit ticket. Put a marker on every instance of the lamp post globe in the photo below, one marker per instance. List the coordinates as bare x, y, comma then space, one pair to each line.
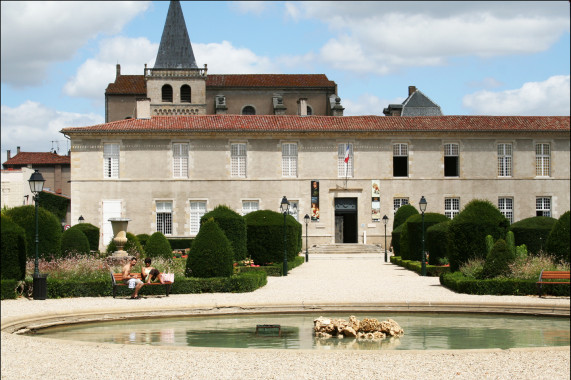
81, 219
36, 182
284, 207
385, 221
422, 205
306, 219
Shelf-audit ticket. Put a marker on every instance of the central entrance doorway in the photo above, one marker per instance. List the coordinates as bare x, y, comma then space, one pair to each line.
346, 220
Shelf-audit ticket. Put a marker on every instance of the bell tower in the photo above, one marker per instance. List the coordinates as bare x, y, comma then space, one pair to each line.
175, 85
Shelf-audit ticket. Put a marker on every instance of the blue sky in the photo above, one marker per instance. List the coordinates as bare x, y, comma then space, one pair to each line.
471, 58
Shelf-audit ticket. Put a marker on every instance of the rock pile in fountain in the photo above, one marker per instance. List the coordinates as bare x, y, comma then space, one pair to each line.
368, 328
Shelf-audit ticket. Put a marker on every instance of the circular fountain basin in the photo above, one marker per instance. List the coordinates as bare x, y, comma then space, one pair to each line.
423, 331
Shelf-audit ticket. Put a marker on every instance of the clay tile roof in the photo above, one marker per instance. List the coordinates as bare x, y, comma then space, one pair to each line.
273, 123
38, 158
127, 85
268, 80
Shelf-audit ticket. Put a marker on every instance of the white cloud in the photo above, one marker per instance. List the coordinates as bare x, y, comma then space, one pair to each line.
381, 37
367, 104
33, 127
548, 98
224, 58
38, 34
255, 7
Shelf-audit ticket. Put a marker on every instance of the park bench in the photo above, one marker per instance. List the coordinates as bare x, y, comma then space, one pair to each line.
117, 280
550, 277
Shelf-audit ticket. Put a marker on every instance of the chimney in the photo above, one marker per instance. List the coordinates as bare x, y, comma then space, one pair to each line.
411, 90
143, 108
118, 71
8, 155
17, 150
302, 106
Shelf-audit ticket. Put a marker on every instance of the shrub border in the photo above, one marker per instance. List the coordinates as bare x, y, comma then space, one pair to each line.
415, 266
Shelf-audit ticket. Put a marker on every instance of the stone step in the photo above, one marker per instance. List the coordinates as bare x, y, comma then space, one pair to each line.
345, 248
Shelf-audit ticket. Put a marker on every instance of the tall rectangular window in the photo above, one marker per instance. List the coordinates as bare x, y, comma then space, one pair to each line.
451, 207
289, 160
238, 157
164, 218
249, 206
506, 206
111, 160
400, 160
451, 160
543, 206
345, 160
197, 210
180, 160
504, 160
398, 202
542, 160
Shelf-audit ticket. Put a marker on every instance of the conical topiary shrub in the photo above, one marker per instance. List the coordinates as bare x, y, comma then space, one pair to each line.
498, 260
158, 246
74, 241
211, 253
234, 227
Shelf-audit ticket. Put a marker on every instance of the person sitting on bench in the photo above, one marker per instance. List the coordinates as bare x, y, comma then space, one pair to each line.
154, 276
130, 280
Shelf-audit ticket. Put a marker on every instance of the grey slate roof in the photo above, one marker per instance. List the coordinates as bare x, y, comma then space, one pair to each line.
175, 50
419, 104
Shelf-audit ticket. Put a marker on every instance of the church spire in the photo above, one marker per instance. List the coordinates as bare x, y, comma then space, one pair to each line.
175, 50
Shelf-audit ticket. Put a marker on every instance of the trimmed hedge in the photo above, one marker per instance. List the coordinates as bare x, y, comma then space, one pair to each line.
498, 286
55, 204
437, 242
158, 246
49, 229
402, 214
558, 240
8, 289
533, 232
92, 233
467, 231
234, 227
211, 254
416, 266
143, 238
13, 250
266, 237
395, 239
74, 241
275, 269
411, 237
181, 243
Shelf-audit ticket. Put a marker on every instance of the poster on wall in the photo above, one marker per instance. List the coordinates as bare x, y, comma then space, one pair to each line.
315, 200
376, 200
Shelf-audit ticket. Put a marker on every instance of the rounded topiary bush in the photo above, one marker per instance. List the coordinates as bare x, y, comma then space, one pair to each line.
266, 236
402, 214
558, 240
533, 232
395, 240
411, 237
13, 250
498, 260
132, 247
92, 233
234, 227
467, 231
143, 238
437, 242
49, 228
158, 246
211, 253
73, 241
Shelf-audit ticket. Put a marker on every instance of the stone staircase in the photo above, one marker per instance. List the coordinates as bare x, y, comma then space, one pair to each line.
346, 249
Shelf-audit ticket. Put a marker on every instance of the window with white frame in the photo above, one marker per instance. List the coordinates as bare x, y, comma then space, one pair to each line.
111, 160
289, 160
398, 202
504, 160
542, 160
164, 217
249, 206
345, 160
451, 207
197, 210
400, 160
451, 160
506, 206
180, 160
543, 206
238, 158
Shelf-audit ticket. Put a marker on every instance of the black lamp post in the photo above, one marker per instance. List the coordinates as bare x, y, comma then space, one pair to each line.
306, 218
284, 207
81, 219
385, 221
36, 182
422, 205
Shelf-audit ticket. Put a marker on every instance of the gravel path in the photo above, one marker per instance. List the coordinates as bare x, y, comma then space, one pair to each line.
342, 280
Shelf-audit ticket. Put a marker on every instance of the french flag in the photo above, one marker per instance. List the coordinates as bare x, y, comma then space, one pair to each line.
347, 154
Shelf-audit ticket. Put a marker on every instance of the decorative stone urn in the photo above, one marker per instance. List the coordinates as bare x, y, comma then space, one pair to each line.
119, 226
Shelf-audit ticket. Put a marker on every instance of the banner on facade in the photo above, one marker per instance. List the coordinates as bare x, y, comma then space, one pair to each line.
315, 200
376, 200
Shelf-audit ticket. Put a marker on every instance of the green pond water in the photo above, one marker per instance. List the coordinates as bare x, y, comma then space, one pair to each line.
426, 331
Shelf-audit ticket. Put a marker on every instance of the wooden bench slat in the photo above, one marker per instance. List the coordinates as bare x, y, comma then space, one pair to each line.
552, 275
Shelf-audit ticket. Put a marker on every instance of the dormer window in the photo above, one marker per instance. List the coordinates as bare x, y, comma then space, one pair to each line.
185, 93
248, 110
167, 93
